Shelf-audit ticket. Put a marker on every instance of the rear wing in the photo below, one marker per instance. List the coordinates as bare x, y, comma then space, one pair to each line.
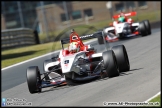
85, 37
126, 14
99, 34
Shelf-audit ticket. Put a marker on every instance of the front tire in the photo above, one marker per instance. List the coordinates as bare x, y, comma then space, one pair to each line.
110, 63
122, 58
33, 79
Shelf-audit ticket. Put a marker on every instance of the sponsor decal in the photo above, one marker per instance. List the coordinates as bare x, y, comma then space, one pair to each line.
66, 62
86, 36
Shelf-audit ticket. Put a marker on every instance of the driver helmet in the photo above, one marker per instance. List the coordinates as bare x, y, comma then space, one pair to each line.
121, 19
74, 47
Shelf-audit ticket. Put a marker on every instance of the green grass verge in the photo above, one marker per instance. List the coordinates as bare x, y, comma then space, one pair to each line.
152, 16
155, 102
157, 99
16, 55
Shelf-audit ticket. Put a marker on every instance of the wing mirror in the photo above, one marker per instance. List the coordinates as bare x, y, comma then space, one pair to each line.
90, 49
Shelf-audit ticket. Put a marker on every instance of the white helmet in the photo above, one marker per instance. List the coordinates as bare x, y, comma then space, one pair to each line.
74, 47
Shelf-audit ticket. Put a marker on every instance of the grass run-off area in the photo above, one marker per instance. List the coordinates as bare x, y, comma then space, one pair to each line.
16, 55
155, 100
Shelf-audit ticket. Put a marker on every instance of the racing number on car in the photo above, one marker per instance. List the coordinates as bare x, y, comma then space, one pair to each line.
66, 62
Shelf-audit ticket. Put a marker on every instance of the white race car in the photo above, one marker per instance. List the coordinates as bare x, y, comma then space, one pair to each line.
71, 68
127, 28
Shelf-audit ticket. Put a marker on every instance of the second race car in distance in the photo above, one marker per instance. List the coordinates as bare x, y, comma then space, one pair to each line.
125, 27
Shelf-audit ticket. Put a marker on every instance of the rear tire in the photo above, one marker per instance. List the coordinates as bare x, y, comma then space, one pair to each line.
122, 58
148, 27
34, 79
142, 29
110, 63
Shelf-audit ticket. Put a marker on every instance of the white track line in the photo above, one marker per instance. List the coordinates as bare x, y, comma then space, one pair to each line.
38, 57
153, 97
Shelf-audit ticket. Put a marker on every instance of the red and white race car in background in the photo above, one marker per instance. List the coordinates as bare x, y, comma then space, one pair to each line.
126, 29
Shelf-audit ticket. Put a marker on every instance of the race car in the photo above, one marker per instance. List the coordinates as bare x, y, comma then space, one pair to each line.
125, 27
79, 62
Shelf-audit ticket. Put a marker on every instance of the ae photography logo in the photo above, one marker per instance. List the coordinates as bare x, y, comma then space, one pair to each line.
131, 103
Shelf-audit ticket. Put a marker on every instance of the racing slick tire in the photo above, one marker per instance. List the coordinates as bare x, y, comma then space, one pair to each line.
148, 27
33, 79
122, 58
142, 29
110, 63
100, 40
